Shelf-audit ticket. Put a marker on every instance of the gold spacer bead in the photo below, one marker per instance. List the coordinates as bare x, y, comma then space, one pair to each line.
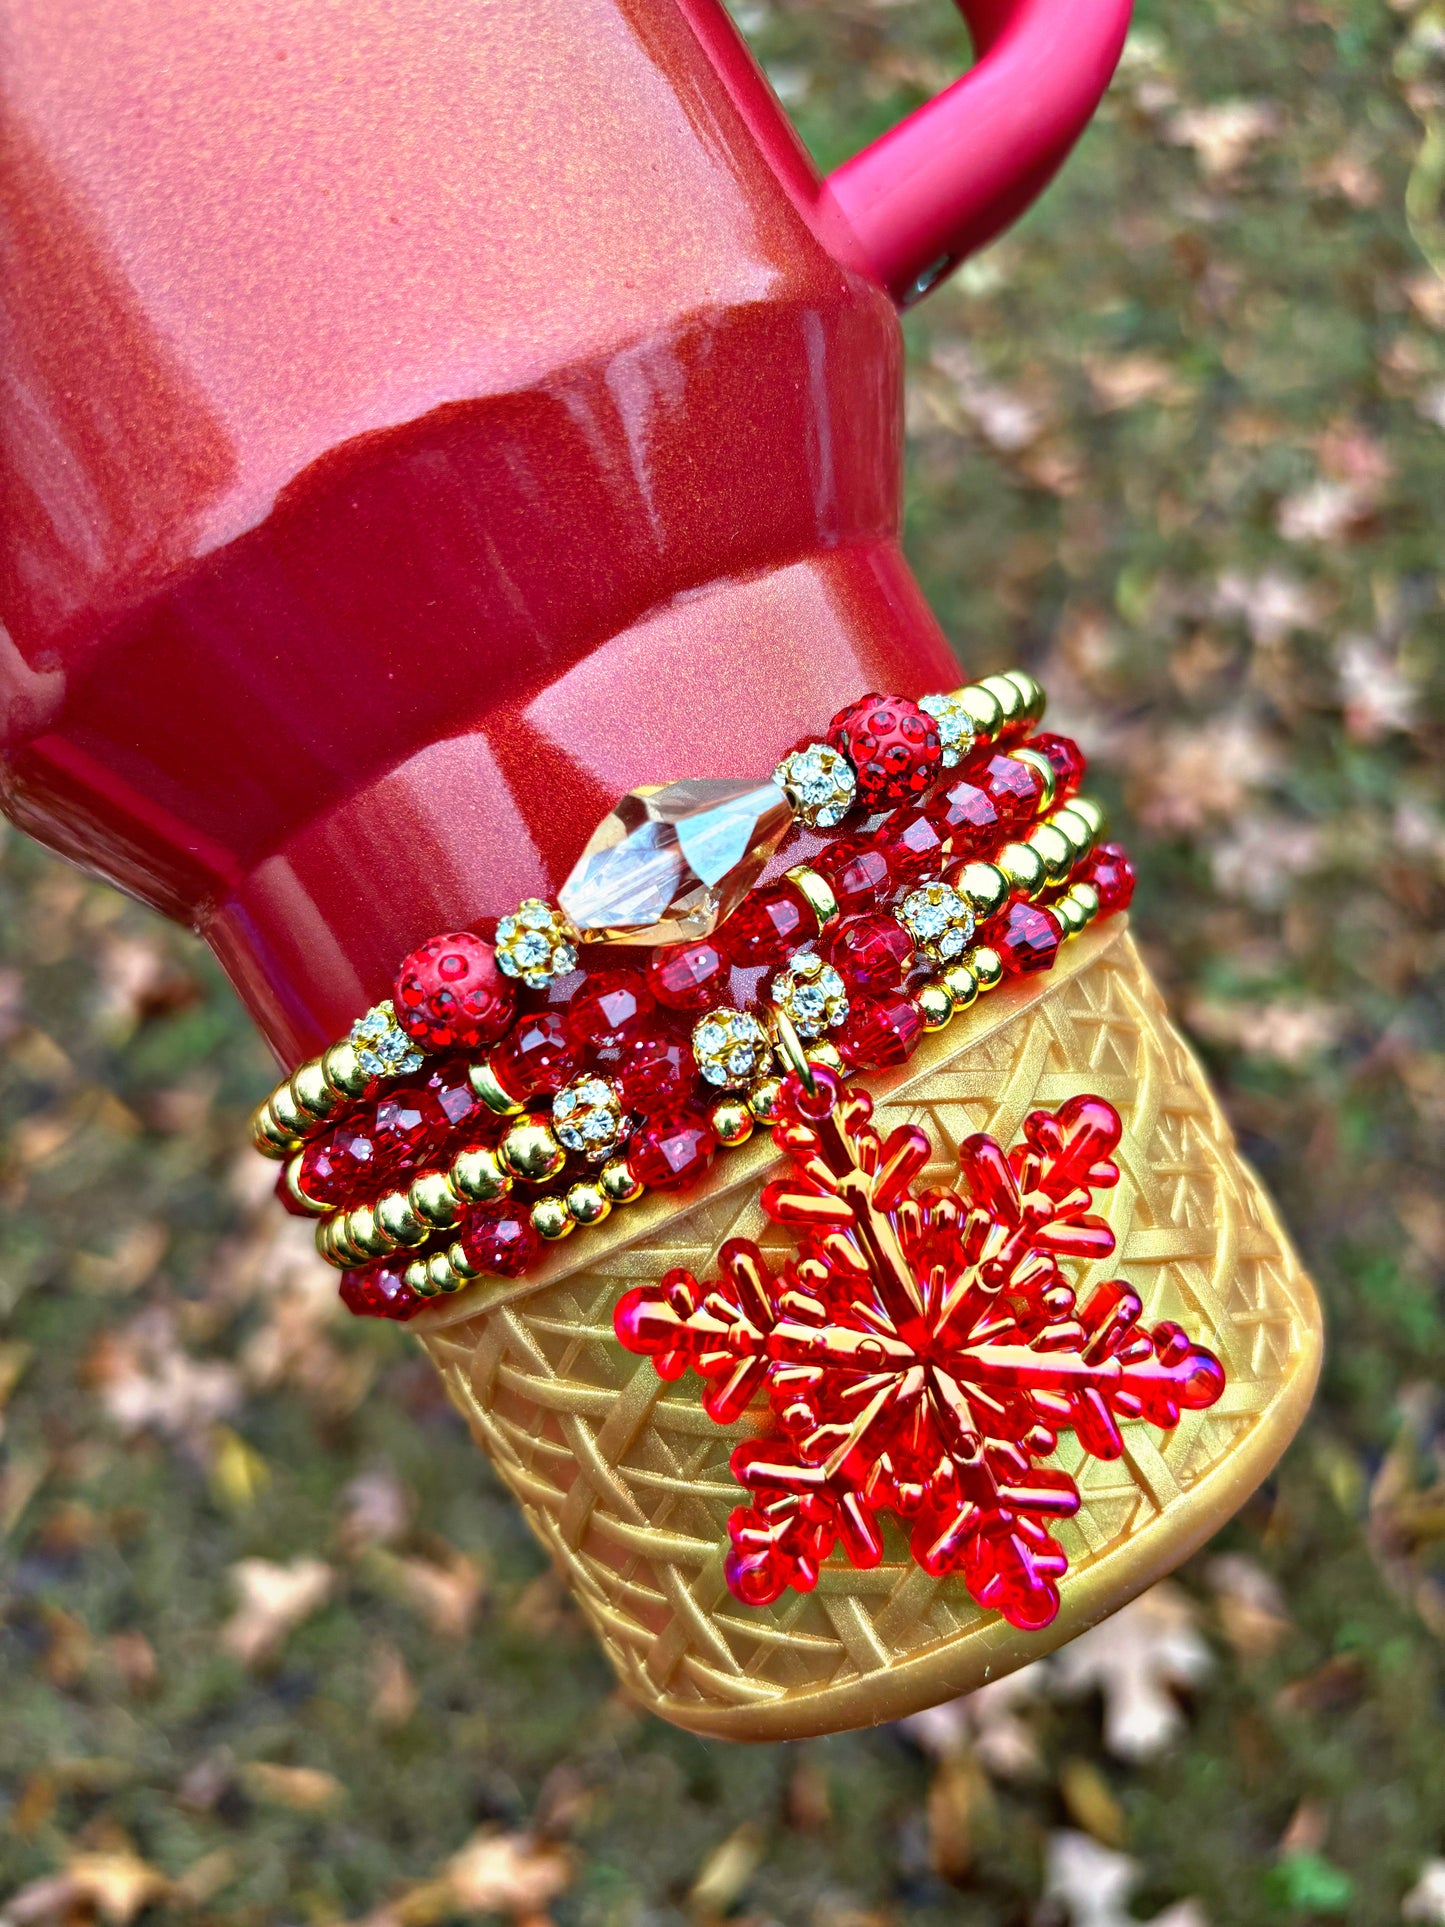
531, 1152
985, 886
479, 1177
292, 1178
984, 711
817, 890
1091, 812
312, 1092
961, 985
820, 1051
1087, 898
617, 1182
442, 1274
588, 1203
400, 1221
1010, 699
363, 1231
338, 1248
1024, 868
434, 1199
419, 1277
1057, 852
327, 1234
267, 1135
935, 1005
732, 1122
763, 1098
460, 1263
1035, 701
1043, 769
551, 1219
1070, 914
484, 1082
987, 967
287, 1113
1076, 829
341, 1067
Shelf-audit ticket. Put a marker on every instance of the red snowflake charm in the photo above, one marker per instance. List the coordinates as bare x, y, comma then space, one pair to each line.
921, 1354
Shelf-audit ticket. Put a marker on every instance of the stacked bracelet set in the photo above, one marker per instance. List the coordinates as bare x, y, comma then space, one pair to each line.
507, 1094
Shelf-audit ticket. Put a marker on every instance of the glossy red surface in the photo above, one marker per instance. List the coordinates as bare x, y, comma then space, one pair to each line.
426, 423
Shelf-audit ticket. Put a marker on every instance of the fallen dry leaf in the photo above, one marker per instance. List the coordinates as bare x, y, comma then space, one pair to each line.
378, 1510
1252, 1612
273, 1601
1225, 133
1094, 1884
724, 1874
305, 1789
117, 1886
393, 1693
1091, 1802
509, 1873
148, 1382
1425, 1901
987, 1722
1137, 1659
960, 1809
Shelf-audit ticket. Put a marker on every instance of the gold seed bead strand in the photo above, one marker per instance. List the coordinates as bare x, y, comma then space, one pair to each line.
436, 1201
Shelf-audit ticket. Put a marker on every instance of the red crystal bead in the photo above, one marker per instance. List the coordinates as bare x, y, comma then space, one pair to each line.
335, 1168
768, 925
1026, 937
499, 1238
688, 976
536, 1057
409, 1128
460, 1105
914, 846
857, 873
288, 1200
893, 746
996, 798
1065, 758
606, 1004
648, 1064
450, 994
872, 952
380, 1290
1112, 875
672, 1150
878, 1031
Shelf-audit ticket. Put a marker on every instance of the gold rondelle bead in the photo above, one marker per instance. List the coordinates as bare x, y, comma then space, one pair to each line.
984, 710
460, 1263
419, 1278
588, 1203
962, 986
732, 1121
341, 1067
292, 1177
1091, 812
288, 1113
1035, 701
985, 886
935, 1006
1087, 898
1050, 843
618, 1185
531, 1152
484, 1082
311, 1090
333, 1241
1009, 697
1069, 914
1024, 868
267, 1135
987, 966
820, 1051
442, 1273
434, 1200
763, 1098
1076, 828
479, 1177
1043, 769
400, 1221
551, 1219
363, 1231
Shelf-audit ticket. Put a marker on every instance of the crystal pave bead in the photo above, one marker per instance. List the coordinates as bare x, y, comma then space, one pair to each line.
667, 865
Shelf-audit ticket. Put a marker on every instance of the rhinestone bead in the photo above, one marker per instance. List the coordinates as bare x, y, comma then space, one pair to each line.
536, 1058
382, 1047
587, 1117
1112, 875
687, 976
768, 926
667, 865
731, 1048
536, 944
450, 994
893, 746
871, 952
380, 1291
499, 1239
939, 920
1027, 939
955, 727
857, 872
811, 994
673, 1151
880, 1031
818, 781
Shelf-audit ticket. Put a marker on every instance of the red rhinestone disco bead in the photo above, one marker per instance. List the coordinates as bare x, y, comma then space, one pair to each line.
1112, 875
499, 1238
856, 872
604, 1005
336, 1167
893, 746
914, 846
688, 976
672, 1150
878, 1031
1026, 937
872, 952
768, 925
649, 1066
450, 994
1065, 758
380, 1290
537, 1057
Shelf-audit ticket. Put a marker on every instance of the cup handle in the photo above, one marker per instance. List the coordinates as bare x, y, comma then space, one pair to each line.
957, 170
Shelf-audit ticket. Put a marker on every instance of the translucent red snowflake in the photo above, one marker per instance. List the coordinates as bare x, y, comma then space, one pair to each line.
922, 1353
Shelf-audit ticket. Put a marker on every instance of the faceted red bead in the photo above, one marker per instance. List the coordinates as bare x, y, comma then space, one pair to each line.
408, 1129
450, 993
343, 1164
380, 1290
499, 1238
688, 976
536, 1057
872, 952
288, 1201
893, 746
994, 799
913, 845
672, 1150
1026, 937
452, 1089
856, 872
1065, 758
648, 1064
878, 1031
1112, 875
768, 925
606, 1004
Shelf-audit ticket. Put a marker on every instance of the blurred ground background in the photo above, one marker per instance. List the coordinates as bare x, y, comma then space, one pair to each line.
275, 1647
